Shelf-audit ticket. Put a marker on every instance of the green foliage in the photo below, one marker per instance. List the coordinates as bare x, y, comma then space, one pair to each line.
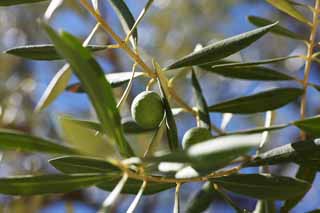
105, 157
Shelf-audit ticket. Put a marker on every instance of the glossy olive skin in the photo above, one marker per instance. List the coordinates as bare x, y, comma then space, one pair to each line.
147, 109
195, 135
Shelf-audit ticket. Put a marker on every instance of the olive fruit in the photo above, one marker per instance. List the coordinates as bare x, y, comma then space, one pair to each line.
195, 135
147, 109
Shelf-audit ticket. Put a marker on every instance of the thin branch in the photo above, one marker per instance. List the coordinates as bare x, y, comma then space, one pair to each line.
311, 44
128, 88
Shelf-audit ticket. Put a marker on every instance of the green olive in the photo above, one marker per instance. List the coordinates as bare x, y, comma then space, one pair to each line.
147, 109
195, 135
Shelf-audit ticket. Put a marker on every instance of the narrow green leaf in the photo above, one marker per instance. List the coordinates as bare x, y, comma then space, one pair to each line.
126, 19
129, 126
201, 200
305, 153
288, 8
259, 130
218, 152
133, 186
74, 164
221, 49
279, 30
200, 102
17, 2
172, 132
263, 186
250, 73
23, 142
310, 125
98, 88
115, 80
247, 64
304, 173
260, 102
56, 86
46, 52
88, 140
48, 184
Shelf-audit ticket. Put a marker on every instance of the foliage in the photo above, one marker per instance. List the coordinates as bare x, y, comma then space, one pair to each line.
217, 160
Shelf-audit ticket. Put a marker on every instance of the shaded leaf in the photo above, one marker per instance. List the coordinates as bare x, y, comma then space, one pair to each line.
115, 80
46, 52
221, 49
263, 186
126, 19
250, 73
133, 186
201, 200
47, 184
23, 142
218, 152
246, 64
74, 164
200, 102
304, 173
279, 30
306, 153
97, 87
172, 132
310, 125
260, 102
288, 8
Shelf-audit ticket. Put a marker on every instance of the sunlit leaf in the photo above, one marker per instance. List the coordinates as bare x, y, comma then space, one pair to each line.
218, 152
126, 19
74, 164
221, 49
56, 86
288, 8
279, 30
115, 80
48, 184
46, 52
310, 125
27, 143
95, 84
87, 139
263, 186
260, 102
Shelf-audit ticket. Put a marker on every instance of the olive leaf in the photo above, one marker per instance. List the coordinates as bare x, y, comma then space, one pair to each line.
48, 184
115, 80
12, 140
288, 8
46, 52
263, 186
260, 102
97, 87
126, 19
221, 49
200, 102
279, 30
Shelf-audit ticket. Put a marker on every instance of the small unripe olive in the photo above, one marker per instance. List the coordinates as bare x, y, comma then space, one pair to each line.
147, 109
195, 135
